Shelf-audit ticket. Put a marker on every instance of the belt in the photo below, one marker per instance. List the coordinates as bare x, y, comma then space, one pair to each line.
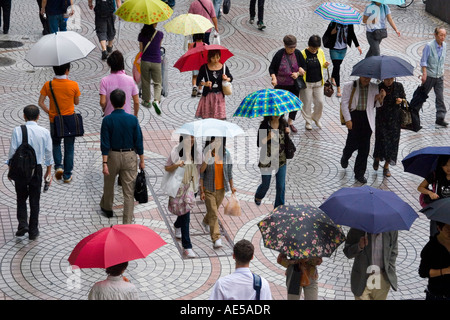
123, 150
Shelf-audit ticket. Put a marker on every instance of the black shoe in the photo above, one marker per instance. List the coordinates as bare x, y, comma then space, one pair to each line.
442, 122
108, 213
21, 232
344, 162
104, 55
361, 179
33, 236
109, 49
261, 25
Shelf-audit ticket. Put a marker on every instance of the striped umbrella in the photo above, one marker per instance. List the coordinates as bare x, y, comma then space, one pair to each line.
338, 12
268, 102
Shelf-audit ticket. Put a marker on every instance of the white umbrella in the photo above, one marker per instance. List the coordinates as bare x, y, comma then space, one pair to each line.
59, 48
210, 128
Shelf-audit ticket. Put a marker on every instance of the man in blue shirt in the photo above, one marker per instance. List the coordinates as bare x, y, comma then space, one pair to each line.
432, 63
39, 138
55, 10
121, 139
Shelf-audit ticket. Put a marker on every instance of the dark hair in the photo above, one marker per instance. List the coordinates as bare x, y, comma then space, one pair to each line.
61, 70
117, 269
148, 30
212, 54
441, 177
115, 61
440, 225
290, 40
243, 251
314, 41
117, 98
224, 143
181, 147
282, 122
31, 112
198, 36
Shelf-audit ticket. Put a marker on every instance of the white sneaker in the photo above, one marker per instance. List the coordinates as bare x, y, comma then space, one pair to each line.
205, 226
178, 233
218, 243
189, 253
308, 126
318, 124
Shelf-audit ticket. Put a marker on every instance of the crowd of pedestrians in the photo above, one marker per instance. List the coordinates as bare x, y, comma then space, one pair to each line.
367, 108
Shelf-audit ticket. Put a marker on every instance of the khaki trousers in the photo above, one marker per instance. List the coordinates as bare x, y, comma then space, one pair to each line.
125, 165
312, 94
213, 200
380, 293
151, 71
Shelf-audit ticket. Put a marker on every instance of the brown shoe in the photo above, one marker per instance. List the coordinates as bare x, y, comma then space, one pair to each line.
386, 172
376, 164
293, 129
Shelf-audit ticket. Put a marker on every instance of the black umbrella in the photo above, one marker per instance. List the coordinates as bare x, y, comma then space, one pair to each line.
418, 99
438, 210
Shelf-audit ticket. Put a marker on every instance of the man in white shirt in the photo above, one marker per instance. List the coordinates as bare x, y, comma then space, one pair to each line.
39, 138
240, 284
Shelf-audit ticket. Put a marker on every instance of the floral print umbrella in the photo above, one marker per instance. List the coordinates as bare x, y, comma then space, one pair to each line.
300, 232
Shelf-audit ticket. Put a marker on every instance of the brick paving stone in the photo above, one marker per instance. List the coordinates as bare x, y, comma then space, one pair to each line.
38, 270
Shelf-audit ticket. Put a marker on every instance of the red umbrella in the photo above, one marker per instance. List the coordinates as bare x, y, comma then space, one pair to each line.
194, 58
114, 245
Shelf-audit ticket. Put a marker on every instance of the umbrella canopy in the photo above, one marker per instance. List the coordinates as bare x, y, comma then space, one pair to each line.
268, 102
210, 128
424, 161
188, 23
144, 11
419, 97
300, 232
383, 67
59, 48
338, 12
369, 209
113, 245
438, 210
396, 2
194, 58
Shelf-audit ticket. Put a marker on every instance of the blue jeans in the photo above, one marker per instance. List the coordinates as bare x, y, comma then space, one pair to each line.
217, 4
69, 150
280, 177
183, 223
56, 22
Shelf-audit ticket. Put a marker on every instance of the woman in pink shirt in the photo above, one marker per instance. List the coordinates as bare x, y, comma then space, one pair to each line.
118, 79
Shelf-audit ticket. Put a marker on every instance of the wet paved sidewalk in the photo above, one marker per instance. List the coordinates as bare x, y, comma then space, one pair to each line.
32, 270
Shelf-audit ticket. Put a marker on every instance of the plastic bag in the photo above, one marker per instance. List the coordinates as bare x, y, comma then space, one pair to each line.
233, 208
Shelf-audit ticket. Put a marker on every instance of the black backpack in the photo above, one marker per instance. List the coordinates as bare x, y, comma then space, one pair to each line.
23, 163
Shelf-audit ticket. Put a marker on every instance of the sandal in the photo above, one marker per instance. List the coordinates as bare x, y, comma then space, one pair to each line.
376, 164
386, 172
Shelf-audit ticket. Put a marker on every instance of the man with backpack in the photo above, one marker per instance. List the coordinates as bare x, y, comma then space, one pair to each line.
104, 23
27, 156
242, 284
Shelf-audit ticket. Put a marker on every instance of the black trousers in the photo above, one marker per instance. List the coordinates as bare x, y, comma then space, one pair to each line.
43, 20
5, 7
358, 139
260, 9
32, 192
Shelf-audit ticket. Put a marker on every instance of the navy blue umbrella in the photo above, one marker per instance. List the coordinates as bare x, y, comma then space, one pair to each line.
369, 209
438, 210
383, 67
423, 162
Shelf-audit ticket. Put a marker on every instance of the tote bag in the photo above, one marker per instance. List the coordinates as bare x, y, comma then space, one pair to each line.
172, 181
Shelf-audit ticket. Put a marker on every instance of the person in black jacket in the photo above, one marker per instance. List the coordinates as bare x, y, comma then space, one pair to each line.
287, 65
337, 38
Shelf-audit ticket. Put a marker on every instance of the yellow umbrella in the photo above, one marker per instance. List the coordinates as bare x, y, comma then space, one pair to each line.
188, 23
144, 11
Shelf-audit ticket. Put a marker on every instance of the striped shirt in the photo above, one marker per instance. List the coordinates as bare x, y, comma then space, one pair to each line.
362, 101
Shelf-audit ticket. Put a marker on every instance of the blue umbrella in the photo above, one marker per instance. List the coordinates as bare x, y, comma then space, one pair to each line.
383, 67
438, 210
423, 162
396, 2
369, 209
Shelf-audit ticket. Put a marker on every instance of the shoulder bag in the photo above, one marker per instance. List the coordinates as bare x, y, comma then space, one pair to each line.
328, 87
299, 82
67, 125
137, 61
289, 146
227, 87
379, 34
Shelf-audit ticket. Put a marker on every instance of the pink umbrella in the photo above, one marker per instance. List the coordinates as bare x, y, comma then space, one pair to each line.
194, 58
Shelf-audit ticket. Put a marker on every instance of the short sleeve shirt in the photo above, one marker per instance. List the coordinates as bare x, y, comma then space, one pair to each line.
377, 16
153, 51
65, 91
120, 80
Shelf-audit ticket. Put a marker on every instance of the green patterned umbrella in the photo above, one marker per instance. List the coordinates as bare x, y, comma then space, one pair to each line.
268, 102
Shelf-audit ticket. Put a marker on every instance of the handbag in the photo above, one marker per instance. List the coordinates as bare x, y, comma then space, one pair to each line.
171, 181
328, 87
299, 82
137, 61
226, 6
183, 202
304, 278
233, 208
140, 188
227, 87
289, 147
67, 125
379, 34
406, 118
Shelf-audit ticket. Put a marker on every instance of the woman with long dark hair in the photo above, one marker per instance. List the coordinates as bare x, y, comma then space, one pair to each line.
150, 45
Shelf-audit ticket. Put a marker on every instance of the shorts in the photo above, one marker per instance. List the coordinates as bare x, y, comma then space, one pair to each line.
104, 27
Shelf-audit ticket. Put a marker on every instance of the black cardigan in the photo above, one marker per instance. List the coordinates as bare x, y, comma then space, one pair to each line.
329, 39
276, 60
